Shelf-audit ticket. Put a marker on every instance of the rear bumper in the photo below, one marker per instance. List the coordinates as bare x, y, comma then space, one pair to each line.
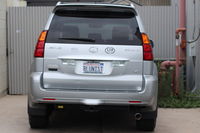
147, 97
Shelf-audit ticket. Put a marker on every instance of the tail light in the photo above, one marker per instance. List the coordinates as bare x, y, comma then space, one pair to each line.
39, 49
147, 48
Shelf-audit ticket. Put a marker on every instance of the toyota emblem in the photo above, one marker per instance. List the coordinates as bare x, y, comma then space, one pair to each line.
110, 50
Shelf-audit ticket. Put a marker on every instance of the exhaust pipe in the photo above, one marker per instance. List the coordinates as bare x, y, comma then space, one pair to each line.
138, 116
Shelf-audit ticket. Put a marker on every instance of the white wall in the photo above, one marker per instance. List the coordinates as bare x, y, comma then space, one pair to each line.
3, 58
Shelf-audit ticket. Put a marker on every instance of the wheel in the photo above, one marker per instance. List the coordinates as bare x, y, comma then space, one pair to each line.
38, 121
146, 124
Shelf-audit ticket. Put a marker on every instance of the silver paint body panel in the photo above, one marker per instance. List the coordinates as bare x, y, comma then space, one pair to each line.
127, 76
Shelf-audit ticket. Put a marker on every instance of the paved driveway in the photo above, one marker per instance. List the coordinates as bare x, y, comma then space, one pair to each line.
13, 119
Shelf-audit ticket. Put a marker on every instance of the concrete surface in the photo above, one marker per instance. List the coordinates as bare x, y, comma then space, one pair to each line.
13, 119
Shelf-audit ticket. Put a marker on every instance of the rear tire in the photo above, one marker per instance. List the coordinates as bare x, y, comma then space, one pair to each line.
38, 121
146, 124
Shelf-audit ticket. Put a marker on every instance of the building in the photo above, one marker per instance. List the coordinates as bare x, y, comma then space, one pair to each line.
53, 2
3, 42
3, 58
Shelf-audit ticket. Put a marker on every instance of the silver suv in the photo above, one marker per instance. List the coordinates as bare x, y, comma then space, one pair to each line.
94, 55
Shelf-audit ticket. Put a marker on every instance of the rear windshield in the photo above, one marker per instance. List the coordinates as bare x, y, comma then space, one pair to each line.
94, 27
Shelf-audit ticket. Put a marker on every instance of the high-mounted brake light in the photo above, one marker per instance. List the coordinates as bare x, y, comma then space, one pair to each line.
147, 48
39, 49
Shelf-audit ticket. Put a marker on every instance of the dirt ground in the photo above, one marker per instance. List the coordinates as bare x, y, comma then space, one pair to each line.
14, 119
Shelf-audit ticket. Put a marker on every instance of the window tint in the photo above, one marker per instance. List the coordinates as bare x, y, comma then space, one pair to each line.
118, 28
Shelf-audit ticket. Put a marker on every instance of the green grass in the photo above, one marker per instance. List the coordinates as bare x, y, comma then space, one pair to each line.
179, 102
166, 99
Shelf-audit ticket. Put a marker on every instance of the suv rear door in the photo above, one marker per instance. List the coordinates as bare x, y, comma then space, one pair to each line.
93, 48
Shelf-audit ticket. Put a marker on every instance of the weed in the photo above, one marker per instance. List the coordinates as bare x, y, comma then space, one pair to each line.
166, 98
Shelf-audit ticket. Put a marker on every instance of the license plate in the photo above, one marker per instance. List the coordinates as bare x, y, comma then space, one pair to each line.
93, 67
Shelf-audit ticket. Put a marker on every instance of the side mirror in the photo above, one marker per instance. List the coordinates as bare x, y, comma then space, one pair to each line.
152, 43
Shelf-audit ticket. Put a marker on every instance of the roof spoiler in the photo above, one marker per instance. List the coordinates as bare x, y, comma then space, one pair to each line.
112, 1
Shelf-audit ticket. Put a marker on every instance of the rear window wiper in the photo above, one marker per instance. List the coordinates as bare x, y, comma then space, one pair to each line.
78, 39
